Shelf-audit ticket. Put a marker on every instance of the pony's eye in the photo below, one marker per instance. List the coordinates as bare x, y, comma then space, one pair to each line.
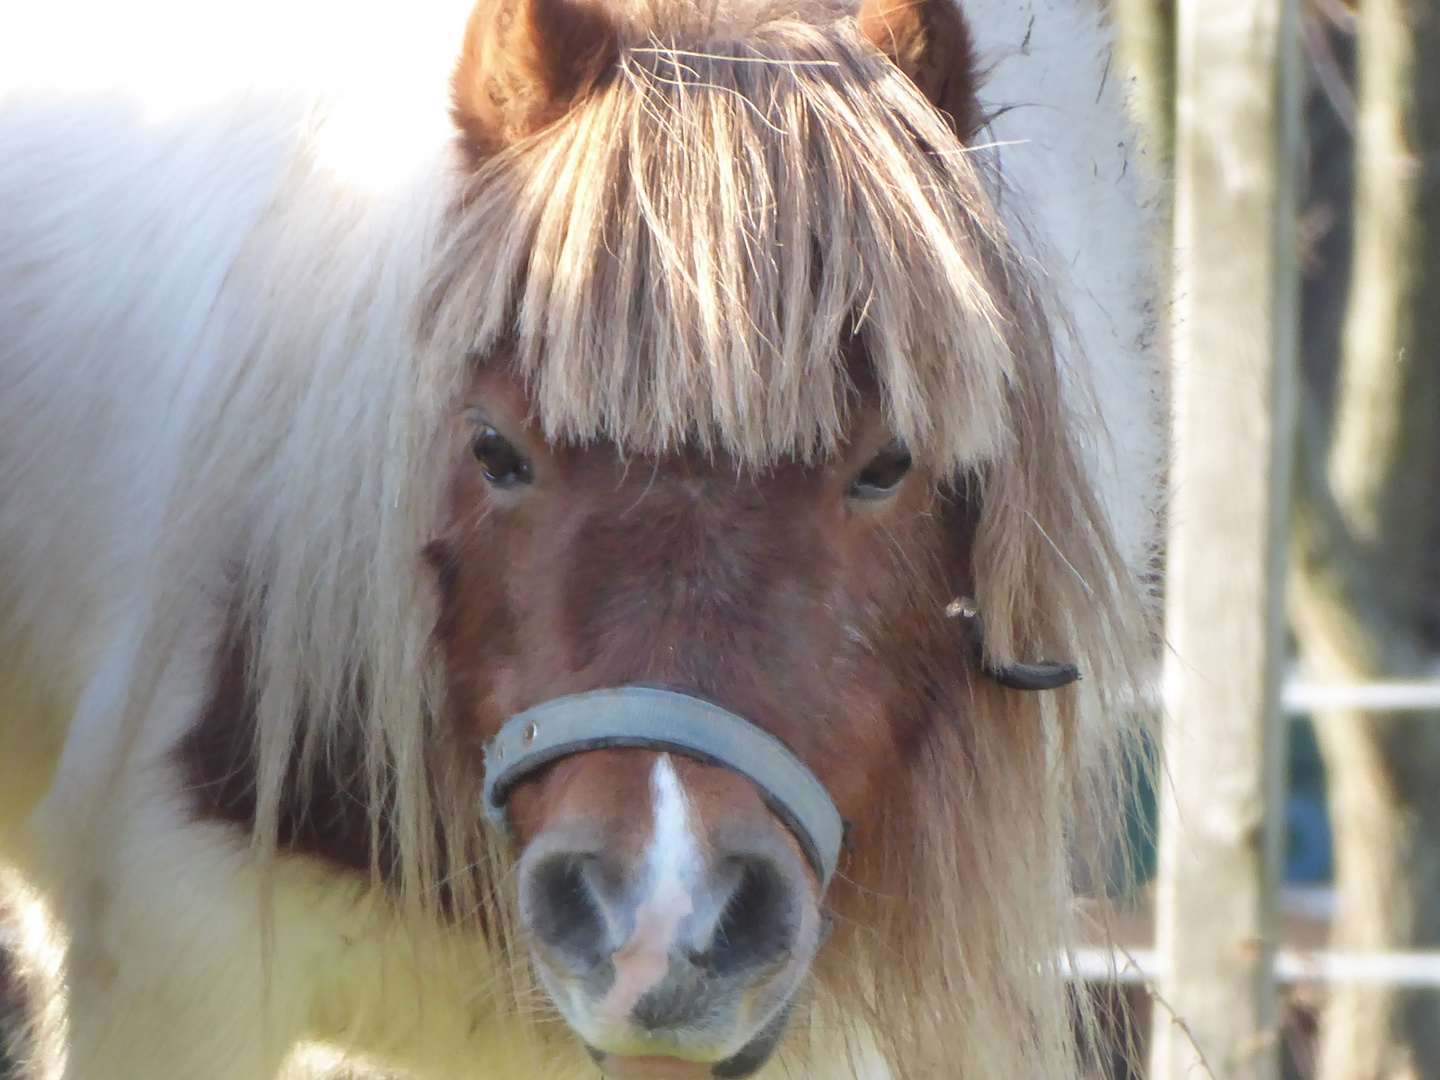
504, 466
881, 478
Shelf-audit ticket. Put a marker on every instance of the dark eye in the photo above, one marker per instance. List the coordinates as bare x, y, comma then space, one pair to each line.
504, 466
881, 478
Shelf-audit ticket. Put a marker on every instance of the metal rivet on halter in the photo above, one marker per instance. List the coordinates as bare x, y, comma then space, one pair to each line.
961, 605
1043, 675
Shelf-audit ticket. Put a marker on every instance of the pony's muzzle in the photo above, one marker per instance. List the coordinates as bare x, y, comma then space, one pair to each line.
743, 919
671, 957
672, 875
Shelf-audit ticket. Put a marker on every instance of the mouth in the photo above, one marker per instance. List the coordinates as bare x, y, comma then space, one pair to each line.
747, 1060
652, 1067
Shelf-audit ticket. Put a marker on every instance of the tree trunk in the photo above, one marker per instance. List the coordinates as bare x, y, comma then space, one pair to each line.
1366, 525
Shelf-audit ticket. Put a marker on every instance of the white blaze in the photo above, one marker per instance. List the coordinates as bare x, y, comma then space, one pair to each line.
673, 858
672, 865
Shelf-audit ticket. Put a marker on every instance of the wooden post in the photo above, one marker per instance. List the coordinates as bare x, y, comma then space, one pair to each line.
1237, 134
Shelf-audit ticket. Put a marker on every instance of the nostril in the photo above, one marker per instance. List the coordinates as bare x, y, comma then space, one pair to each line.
561, 910
758, 923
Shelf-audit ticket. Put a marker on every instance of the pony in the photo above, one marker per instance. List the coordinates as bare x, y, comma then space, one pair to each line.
374, 378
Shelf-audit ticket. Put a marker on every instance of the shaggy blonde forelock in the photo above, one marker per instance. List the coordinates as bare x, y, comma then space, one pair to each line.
680, 258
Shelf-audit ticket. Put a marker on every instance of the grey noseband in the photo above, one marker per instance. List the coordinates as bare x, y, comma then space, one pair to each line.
653, 719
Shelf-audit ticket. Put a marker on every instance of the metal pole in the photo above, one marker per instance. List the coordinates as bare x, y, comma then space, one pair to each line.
1413, 970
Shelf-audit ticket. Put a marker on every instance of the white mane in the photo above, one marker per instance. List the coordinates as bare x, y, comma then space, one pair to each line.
217, 227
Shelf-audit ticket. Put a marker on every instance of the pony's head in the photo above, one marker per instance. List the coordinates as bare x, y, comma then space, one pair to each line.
757, 396
746, 388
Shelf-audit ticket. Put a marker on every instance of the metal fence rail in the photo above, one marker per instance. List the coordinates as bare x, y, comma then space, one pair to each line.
1415, 970
1417, 695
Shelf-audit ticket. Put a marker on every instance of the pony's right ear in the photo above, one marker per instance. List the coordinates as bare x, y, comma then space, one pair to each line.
929, 41
525, 64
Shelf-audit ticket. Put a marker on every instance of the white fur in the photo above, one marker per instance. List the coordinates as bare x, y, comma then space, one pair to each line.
672, 865
173, 967
672, 857
143, 183
1083, 192
187, 189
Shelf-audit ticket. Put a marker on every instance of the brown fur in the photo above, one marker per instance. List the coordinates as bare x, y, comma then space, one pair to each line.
700, 281
217, 764
823, 622
720, 539
525, 64
930, 42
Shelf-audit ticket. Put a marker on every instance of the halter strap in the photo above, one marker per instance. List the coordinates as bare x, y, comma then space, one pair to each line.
650, 718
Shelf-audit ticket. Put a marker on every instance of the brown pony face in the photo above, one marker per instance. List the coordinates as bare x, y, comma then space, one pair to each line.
669, 913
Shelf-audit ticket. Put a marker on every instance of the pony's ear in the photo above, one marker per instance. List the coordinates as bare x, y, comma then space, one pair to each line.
929, 41
525, 63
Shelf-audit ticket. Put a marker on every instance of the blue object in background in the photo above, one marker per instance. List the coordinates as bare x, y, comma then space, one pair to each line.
1307, 819
1307, 840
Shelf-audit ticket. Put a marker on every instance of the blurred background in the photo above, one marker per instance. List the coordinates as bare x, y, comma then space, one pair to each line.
1359, 897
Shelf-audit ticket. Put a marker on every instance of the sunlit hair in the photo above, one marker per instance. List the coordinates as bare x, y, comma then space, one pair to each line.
677, 261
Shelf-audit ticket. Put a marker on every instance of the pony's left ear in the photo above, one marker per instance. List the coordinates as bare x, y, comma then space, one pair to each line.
525, 64
929, 41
